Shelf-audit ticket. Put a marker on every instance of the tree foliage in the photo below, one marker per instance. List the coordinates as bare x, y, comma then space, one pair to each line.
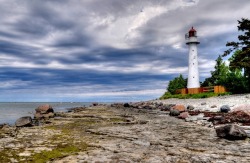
177, 83
241, 57
219, 75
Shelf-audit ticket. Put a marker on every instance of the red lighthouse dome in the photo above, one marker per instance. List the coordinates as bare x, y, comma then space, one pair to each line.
192, 32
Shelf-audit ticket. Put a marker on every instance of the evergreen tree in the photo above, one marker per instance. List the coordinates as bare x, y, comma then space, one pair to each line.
241, 58
219, 75
177, 83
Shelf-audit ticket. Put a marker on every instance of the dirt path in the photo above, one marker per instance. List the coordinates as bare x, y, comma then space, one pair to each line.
104, 134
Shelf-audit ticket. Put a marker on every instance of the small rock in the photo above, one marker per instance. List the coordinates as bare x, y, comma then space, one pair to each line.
183, 115
126, 105
95, 104
174, 112
231, 132
213, 106
190, 107
216, 120
203, 103
167, 107
24, 122
225, 109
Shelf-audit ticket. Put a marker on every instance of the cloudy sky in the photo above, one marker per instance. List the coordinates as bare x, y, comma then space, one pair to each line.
107, 50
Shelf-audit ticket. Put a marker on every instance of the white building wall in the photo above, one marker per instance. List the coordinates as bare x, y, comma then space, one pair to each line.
193, 71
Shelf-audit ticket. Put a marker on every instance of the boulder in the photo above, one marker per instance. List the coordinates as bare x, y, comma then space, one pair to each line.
245, 108
180, 108
94, 104
44, 109
231, 132
190, 107
225, 109
126, 105
174, 112
44, 112
24, 122
183, 115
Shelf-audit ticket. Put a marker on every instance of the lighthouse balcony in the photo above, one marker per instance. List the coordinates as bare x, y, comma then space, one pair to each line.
192, 39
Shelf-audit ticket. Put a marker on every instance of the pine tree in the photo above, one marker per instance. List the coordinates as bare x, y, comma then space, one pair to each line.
241, 49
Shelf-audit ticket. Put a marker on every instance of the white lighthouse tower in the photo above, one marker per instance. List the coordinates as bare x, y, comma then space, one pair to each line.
193, 72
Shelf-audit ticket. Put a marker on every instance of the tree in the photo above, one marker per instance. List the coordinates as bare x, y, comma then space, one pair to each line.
219, 75
177, 83
241, 49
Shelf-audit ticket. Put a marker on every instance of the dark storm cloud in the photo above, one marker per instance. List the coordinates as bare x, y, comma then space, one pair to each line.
120, 50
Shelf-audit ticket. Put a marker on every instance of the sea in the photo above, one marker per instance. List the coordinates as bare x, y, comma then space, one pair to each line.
11, 111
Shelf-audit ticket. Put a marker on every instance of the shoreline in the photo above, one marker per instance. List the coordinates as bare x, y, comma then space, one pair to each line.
137, 132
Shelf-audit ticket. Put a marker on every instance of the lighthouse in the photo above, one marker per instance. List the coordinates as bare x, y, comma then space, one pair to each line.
193, 71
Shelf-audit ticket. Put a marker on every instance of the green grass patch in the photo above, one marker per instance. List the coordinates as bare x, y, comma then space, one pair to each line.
59, 152
167, 95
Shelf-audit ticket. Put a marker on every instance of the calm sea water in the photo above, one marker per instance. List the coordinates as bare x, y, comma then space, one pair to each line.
10, 112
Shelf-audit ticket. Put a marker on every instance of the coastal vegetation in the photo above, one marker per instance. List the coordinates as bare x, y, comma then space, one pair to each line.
235, 76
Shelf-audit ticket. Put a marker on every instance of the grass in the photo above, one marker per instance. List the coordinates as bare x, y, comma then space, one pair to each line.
58, 152
167, 95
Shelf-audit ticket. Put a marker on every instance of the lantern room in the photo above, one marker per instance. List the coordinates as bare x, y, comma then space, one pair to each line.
191, 37
192, 32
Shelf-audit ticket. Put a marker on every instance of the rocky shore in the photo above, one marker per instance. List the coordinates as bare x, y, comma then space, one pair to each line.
172, 130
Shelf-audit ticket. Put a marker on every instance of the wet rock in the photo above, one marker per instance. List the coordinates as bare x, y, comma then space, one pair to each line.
225, 109
183, 115
231, 132
180, 108
190, 107
174, 112
24, 122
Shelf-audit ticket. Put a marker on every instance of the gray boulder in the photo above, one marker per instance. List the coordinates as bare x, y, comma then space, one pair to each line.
231, 132
225, 109
24, 122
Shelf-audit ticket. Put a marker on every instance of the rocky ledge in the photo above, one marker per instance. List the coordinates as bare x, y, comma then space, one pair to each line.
129, 132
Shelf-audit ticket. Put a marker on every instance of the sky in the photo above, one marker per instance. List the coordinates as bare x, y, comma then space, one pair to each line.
107, 50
